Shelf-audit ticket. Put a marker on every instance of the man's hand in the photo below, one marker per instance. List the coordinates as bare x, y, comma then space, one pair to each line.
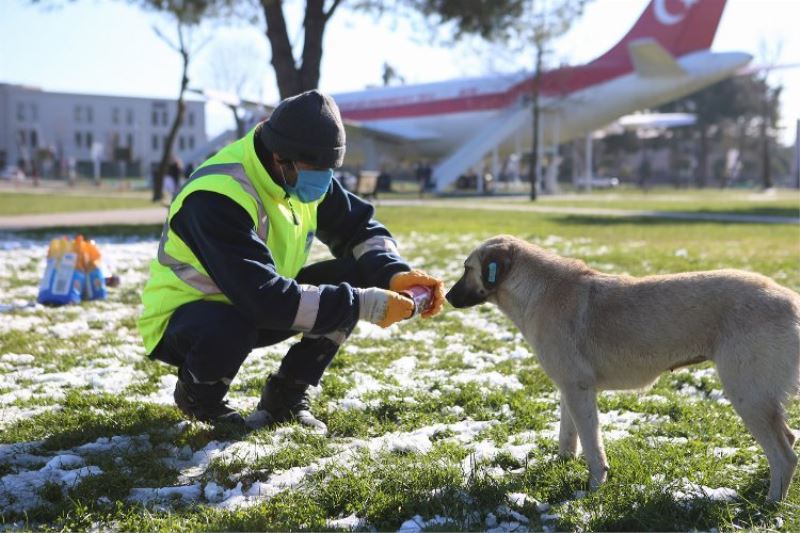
404, 280
383, 307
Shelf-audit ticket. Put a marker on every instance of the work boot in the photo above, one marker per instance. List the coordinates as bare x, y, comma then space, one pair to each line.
283, 400
215, 412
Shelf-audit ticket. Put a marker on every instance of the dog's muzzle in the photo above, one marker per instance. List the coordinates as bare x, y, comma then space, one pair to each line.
461, 296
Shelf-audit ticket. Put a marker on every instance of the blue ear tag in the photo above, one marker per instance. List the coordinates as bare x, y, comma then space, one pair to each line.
492, 277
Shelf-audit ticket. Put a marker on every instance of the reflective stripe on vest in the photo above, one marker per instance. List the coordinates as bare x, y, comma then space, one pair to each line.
186, 272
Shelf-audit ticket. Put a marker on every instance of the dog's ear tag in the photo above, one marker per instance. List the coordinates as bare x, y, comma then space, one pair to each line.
491, 275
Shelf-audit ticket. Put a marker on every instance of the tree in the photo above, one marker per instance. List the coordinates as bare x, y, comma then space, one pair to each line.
734, 107
542, 22
186, 15
235, 70
490, 19
295, 77
390, 74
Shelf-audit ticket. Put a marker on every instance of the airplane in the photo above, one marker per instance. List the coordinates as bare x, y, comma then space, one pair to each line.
457, 123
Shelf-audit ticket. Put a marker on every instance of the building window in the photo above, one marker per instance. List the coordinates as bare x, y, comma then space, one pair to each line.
163, 118
191, 118
155, 142
89, 139
20, 111
155, 118
21, 137
115, 115
78, 113
130, 141
165, 141
129, 117
78, 139
191, 142
35, 112
34, 139
89, 115
181, 143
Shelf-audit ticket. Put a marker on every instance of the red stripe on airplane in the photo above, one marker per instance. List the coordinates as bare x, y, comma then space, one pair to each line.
695, 31
555, 83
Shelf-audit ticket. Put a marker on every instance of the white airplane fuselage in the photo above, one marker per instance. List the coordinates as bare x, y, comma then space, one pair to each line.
563, 118
666, 55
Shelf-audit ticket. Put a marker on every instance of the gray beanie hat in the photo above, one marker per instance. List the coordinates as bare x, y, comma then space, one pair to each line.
306, 128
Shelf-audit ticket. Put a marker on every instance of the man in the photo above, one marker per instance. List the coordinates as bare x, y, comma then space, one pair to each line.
230, 272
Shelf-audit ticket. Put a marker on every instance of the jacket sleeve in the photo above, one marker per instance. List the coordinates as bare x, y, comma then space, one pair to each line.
346, 226
221, 235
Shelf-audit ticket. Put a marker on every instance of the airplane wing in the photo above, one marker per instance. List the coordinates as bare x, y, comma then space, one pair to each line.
398, 132
651, 60
657, 120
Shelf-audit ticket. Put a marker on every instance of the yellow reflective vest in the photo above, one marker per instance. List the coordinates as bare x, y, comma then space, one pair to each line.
283, 223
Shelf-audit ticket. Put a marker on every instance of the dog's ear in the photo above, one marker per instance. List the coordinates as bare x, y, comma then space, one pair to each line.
495, 263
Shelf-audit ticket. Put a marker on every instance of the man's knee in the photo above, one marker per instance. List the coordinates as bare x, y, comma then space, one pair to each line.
213, 338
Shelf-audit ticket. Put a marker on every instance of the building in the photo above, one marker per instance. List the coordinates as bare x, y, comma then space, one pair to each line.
57, 134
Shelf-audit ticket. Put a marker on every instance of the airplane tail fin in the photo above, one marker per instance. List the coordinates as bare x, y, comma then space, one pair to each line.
679, 26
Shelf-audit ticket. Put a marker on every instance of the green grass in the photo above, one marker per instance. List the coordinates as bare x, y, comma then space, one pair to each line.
418, 389
15, 203
785, 203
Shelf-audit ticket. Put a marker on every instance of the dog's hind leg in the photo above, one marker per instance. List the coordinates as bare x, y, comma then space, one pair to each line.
581, 404
567, 434
761, 410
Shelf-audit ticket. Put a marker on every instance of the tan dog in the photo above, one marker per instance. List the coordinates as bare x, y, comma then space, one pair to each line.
593, 331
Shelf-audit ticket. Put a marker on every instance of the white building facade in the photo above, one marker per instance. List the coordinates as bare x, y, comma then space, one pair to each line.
54, 134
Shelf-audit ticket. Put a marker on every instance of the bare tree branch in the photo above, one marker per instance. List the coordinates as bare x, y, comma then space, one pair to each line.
333, 7
166, 39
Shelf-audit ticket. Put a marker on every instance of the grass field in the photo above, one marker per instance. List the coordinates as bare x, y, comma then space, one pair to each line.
442, 424
18, 203
784, 202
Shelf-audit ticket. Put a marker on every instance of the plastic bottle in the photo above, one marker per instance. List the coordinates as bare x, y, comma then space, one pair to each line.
53, 257
422, 297
95, 288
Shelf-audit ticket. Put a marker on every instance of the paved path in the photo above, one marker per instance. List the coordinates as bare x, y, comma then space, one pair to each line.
156, 215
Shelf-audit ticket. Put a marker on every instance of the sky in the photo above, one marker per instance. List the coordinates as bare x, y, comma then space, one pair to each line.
110, 47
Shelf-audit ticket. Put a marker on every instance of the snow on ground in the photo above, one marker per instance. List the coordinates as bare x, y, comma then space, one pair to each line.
65, 468
106, 351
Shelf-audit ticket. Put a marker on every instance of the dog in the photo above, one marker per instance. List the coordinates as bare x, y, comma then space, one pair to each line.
593, 331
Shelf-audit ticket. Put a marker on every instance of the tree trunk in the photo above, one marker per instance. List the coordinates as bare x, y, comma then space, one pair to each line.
158, 179
674, 162
533, 172
702, 158
286, 73
766, 168
292, 79
314, 26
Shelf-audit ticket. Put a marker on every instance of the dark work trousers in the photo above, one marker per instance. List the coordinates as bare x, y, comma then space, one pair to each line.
209, 341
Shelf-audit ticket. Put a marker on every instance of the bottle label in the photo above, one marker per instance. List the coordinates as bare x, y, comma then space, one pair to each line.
62, 283
422, 297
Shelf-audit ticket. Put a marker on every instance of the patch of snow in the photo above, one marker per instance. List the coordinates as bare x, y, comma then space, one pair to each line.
349, 523
187, 493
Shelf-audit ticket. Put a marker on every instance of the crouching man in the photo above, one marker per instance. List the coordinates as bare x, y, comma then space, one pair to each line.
230, 274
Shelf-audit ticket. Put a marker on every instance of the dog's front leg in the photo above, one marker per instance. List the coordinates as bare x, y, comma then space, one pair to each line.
581, 404
567, 434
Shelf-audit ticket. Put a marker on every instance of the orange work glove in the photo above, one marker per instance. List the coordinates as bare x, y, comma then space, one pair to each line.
403, 280
383, 307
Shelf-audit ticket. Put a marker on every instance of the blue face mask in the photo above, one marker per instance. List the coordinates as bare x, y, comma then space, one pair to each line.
311, 184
